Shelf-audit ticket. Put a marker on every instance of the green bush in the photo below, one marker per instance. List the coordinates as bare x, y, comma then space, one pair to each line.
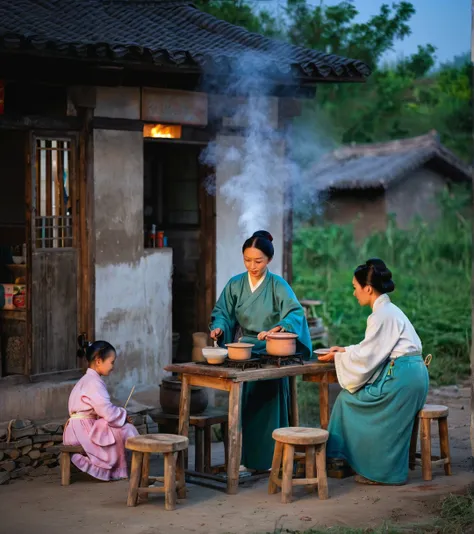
431, 267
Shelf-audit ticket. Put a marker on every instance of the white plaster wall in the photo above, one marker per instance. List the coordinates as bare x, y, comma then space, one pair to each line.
133, 286
229, 236
133, 312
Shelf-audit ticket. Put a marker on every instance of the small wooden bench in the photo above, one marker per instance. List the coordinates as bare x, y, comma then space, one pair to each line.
313, 440
140, 479
65, 461
429, 413
202, 424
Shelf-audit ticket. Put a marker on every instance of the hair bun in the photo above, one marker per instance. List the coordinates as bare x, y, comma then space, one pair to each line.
263, 234
376, 274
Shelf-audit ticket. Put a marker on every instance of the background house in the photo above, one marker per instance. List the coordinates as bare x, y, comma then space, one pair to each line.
91, 90
366, 183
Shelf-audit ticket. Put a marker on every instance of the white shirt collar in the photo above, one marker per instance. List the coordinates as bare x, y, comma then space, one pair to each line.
254, 288
380, 301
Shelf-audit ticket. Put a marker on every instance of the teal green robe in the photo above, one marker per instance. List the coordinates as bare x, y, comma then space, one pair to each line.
265, 404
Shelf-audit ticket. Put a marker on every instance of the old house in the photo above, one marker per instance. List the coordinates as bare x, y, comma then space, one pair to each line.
364, 184
105, 108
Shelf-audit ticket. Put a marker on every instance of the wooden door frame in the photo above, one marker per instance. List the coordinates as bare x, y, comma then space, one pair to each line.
85, 235
207, 246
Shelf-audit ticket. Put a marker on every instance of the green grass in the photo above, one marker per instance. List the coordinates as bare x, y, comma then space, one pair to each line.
431, 268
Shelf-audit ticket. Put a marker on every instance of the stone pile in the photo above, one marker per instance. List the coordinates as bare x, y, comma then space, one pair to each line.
29, 449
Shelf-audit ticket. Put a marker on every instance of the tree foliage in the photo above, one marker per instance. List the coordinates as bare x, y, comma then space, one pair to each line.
405, 99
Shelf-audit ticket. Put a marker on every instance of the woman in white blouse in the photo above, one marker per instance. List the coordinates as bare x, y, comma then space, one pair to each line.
384, 381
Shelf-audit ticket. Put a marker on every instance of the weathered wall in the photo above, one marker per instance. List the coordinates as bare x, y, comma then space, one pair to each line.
133, 286
415, 196
229, 236
364, 209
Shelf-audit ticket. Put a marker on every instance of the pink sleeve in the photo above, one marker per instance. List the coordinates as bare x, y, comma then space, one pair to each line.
99, 400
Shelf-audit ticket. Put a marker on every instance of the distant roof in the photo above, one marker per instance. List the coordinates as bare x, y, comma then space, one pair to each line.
162, 32
381, 164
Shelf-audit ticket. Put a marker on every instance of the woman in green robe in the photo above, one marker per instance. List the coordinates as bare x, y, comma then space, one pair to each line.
260, 302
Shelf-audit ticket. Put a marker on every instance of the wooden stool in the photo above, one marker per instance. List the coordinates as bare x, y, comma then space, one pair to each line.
314, 441
173, 479
202, 424
429, 413
65, 461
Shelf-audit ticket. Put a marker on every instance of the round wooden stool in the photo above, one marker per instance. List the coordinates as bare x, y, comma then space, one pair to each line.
313, 440
173, 479
429, 413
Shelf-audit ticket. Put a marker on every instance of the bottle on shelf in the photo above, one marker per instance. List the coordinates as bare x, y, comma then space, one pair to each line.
153, 236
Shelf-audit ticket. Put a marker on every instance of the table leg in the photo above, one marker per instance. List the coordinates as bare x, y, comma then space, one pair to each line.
199, 451
324, 402
207, 449
183, 430
225, 439
235, 435
294, 414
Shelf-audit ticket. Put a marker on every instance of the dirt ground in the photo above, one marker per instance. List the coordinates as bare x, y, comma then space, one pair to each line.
42, 505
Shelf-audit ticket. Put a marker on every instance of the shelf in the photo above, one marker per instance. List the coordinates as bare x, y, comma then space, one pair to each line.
15, 315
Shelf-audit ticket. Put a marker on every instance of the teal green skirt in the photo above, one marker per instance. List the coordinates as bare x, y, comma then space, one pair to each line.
265, 407
371, 429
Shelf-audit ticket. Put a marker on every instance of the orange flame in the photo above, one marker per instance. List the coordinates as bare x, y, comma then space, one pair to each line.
167, 131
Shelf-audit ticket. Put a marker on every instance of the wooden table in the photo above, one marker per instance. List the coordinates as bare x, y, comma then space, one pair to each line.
231, 380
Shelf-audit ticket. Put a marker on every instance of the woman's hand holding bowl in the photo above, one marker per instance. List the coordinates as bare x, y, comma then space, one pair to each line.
329, 357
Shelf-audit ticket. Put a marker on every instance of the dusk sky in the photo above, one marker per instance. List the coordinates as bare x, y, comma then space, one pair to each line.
445, 24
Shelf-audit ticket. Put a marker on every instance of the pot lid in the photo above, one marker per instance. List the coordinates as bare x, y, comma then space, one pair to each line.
240, 345
282, 335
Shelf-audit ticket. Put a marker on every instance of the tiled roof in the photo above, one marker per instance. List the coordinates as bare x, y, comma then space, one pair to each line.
381, 164
164, 32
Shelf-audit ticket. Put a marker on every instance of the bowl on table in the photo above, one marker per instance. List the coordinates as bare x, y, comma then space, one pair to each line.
17, 260
214, 355
240, 351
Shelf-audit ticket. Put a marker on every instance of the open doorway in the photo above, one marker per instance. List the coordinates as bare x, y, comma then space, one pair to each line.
13, 252
176, 201
39, 259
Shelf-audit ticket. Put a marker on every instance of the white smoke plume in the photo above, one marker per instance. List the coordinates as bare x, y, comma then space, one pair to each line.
263, 156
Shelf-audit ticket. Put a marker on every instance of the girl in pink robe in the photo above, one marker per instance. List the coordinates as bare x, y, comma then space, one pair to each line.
94, 422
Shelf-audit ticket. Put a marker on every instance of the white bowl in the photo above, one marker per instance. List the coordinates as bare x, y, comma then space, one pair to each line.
17, 260
214, 355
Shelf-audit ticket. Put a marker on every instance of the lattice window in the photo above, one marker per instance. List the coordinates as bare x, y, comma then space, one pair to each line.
53, 194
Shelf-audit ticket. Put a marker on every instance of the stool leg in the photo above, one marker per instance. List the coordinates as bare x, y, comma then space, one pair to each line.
276, 464
180, 476
321, 472
444, 443
413, 443
135, 475
144, 481
207, 449
287, 481
225, 439
199, 452
425, 438
65, 462
310, 465
170, 481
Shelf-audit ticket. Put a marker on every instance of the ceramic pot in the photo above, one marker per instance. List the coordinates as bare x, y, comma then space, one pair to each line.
240, 351
281, 344
199, 342
170, 393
